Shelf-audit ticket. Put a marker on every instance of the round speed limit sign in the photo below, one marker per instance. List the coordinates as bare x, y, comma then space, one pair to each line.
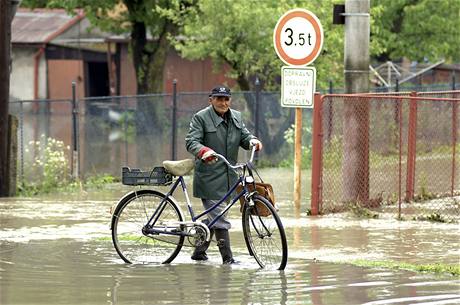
298, 37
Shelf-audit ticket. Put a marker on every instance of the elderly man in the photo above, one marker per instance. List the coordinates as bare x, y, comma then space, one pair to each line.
216, 128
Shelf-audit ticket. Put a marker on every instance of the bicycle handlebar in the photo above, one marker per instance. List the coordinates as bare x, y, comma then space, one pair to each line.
236, 166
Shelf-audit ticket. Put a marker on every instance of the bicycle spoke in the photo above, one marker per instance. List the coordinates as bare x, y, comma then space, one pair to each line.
265, 235
135, 247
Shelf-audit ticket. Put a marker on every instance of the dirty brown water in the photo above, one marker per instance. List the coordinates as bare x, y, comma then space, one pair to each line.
57, 250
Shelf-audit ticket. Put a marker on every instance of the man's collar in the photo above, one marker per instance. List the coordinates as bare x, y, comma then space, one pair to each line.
217, 118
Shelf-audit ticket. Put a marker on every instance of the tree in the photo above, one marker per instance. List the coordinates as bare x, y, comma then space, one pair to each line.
149, 28
416, 29
238, 33
144, 20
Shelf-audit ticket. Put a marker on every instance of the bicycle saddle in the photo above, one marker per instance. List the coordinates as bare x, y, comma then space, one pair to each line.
179, 168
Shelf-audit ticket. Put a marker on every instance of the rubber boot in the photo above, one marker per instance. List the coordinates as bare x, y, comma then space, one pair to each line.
199, 254
223, 242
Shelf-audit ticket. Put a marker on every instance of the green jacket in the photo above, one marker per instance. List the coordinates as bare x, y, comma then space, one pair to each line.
207, 128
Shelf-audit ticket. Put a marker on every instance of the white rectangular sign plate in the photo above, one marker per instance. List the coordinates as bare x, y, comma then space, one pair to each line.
298, 86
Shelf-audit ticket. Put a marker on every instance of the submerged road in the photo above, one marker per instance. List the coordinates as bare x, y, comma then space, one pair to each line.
57, 250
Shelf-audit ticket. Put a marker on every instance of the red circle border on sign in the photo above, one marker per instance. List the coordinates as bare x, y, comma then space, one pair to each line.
318, 31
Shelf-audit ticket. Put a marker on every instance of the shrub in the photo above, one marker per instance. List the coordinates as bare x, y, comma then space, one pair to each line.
50, 167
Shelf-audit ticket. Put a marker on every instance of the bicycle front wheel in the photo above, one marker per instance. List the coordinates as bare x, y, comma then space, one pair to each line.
129, 219
264, 234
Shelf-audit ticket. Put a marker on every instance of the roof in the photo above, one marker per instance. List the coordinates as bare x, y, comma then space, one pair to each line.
41, 25
389, 72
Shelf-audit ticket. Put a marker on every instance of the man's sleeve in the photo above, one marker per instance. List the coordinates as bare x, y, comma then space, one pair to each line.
246, 136
195, 135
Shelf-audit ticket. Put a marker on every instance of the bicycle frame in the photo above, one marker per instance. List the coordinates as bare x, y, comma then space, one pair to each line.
153, 219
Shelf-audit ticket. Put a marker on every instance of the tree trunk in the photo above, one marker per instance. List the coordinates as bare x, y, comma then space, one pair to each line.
140, 56
149, 59
5, 40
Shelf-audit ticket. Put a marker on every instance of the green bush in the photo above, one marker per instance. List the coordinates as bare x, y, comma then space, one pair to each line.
289, 136
50, 170
50, 167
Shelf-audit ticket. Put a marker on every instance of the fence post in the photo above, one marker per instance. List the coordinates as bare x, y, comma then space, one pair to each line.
21, 139
75, 170
399, 119
411, 148
454, 140
453, 80
329, 114
257, 108
174, 122
12, 154
297, 157
257, 114
317, 147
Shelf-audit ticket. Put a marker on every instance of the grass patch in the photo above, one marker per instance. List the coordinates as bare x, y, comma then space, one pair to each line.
431, 268
103, 238
141, 239
68, 186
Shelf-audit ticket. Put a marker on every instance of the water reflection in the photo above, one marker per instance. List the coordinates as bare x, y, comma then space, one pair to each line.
65, 271
198, 284
58, 251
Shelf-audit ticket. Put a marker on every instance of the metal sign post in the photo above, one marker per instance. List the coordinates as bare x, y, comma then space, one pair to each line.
298, 39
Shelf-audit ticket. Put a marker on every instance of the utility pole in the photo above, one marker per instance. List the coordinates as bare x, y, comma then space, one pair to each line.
5, 41
7, 12
355, 169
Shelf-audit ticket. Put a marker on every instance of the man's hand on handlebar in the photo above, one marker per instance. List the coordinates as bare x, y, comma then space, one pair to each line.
255, 142
207, 155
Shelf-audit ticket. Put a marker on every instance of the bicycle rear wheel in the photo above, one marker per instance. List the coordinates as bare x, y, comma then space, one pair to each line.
128, 221
264, 235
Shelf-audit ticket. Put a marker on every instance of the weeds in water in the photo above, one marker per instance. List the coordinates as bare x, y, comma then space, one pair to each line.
432, 268
361, 211
435, 217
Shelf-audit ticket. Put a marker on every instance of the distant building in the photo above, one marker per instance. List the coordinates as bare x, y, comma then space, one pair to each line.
51, 49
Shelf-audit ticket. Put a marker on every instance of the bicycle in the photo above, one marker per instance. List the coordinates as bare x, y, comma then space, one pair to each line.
149, 226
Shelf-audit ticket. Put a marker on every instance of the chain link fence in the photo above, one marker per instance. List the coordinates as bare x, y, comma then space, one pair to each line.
398, 153
412, 169
138, 131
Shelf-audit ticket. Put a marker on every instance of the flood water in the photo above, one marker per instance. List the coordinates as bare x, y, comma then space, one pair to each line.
57, 250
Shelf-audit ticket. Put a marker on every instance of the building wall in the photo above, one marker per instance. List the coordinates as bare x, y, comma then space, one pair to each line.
61, 74
191, 76
22, 76
440, 76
